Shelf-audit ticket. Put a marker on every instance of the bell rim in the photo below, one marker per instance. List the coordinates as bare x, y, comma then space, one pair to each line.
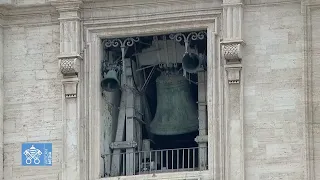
184, 66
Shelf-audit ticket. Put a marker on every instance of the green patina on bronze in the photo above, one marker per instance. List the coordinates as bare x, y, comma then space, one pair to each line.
176, 112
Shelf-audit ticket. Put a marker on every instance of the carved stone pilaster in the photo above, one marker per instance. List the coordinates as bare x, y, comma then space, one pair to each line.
69, 62
233, 93
233, 123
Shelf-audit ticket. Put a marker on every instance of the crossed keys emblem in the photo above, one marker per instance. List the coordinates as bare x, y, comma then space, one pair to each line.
32, 154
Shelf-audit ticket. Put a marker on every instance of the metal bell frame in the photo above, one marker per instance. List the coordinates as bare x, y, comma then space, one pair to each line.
130, 41
123, 44
186, 39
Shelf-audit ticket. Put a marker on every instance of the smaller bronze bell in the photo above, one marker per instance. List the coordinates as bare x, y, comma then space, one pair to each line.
111, 82
191, 62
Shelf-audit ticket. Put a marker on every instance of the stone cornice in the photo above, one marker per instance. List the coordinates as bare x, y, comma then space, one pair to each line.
28, 15
270, 3
13, 10
65, 6
145, 3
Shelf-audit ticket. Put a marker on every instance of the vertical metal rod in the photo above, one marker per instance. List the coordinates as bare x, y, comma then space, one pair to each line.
166, 50
161, 156
175, 51
186, 44
139, 163
134, 163
129, 159
182, 158
104, 165
123, 63
167, 159
194, 158
123, 164
144, 160
172, 163
156, 160
150, 161
178, 159
188, 158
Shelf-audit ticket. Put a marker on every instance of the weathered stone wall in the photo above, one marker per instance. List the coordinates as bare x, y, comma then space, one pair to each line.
32, 102
275, 139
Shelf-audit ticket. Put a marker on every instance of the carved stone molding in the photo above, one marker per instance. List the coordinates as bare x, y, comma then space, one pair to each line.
67, 5
232, 52
233, 75
307, 8
69, 63
69, 66
93, 55
70, 87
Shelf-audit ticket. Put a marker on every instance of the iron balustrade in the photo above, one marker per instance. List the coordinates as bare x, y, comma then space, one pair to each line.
156, 161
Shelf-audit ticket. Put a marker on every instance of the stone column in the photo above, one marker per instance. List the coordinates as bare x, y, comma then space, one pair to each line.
69, 62
233, 90
1, 97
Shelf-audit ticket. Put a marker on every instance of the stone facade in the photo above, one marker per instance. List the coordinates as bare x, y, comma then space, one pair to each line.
263, 121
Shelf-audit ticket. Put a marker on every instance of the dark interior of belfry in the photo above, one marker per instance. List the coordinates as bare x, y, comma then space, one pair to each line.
169, 84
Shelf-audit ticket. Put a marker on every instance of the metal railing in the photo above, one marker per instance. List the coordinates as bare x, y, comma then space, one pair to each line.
155, 161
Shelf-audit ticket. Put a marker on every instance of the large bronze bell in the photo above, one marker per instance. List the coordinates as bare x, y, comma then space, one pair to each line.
111, 82
176, 113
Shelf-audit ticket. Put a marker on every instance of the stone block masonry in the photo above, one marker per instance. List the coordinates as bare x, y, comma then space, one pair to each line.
274, 92
32, 102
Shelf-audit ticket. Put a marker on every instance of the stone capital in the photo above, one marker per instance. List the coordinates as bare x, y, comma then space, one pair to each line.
232, 52
67, 5
69, 66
